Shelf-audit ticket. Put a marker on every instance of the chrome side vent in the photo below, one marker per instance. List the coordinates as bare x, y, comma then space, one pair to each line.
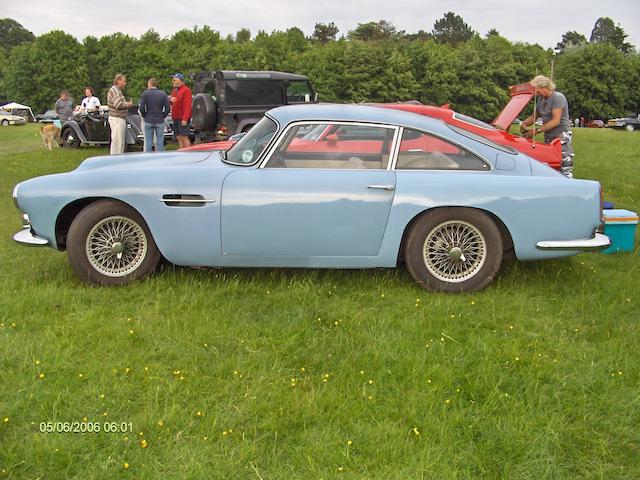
184, 200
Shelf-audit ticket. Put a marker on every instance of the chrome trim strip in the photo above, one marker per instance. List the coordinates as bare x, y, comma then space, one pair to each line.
185, 200
382, 187
597, 242
25, 237
15, 196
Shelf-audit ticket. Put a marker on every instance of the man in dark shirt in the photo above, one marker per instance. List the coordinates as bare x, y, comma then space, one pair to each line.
64, 106
553, 109
154, 107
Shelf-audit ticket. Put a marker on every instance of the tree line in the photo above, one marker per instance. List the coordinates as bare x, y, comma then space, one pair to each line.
374, 62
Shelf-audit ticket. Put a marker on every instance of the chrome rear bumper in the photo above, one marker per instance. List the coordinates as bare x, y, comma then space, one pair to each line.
594, 244
25, 237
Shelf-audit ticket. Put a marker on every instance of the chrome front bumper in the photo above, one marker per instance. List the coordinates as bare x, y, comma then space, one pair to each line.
25, 237
594, 244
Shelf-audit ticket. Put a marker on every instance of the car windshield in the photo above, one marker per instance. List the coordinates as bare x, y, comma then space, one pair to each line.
250, 147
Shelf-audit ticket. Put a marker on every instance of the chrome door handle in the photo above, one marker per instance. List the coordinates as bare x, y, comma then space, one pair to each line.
382, 187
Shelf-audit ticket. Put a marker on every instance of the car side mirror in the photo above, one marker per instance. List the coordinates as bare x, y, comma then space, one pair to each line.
332, 138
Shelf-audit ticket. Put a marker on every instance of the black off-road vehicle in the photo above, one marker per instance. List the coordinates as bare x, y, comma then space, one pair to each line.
227, 102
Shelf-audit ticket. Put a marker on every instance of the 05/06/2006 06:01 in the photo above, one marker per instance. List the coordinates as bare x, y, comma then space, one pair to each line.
85, 427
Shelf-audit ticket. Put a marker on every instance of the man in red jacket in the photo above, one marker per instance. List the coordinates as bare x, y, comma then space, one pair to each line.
181, 110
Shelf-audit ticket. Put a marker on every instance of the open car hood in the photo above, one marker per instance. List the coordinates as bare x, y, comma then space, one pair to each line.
520, 96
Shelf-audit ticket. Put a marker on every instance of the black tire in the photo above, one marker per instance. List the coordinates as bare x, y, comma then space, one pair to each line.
70, 139
5, 123
246, 128
102, 231
453, 250
204, 114
629, 127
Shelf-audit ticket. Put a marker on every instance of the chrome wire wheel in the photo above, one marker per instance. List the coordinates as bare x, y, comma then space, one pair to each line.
454, 251
116, 246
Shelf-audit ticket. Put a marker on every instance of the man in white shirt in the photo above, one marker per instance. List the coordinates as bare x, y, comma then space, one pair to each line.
90, 101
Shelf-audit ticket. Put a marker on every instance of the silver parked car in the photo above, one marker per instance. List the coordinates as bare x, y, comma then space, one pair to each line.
7, 119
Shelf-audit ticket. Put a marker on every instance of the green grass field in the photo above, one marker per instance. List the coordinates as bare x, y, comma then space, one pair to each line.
310, 374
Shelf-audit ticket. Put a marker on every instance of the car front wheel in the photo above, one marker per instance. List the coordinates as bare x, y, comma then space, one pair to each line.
70, 139
109, 243
629, 127
454, 250
5, 123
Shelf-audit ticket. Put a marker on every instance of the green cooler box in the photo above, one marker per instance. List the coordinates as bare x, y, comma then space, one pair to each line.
620, 227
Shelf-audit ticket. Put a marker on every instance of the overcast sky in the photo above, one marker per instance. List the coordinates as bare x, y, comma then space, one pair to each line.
532, 21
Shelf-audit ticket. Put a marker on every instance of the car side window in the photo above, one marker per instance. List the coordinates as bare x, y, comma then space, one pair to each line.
423, 151
334, 146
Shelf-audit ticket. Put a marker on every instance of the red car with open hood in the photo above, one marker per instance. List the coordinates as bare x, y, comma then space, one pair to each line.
497, 131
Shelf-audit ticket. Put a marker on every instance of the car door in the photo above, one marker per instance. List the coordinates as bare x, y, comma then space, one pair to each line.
97, 127
312, 203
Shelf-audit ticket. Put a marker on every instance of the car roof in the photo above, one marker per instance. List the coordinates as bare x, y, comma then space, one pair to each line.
354, 113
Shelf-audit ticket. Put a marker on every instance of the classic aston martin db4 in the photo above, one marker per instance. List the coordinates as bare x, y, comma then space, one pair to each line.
385, 186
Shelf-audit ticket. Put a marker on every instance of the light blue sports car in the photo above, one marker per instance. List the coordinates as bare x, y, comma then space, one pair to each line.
319, 186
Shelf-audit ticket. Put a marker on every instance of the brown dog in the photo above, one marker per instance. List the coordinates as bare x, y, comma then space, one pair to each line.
50, 135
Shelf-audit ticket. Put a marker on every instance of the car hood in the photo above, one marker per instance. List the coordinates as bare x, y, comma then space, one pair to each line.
520, 96
143, 160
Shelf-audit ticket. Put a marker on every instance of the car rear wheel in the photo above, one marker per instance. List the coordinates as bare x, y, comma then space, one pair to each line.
70, 139
454, 250
629, 127
109, 243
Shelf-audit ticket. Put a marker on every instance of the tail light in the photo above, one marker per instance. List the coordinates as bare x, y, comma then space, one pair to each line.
222, 130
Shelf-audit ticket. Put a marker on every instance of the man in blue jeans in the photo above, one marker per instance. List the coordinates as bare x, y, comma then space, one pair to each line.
154, 107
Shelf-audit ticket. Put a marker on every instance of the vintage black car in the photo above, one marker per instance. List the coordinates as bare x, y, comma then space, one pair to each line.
92, 128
